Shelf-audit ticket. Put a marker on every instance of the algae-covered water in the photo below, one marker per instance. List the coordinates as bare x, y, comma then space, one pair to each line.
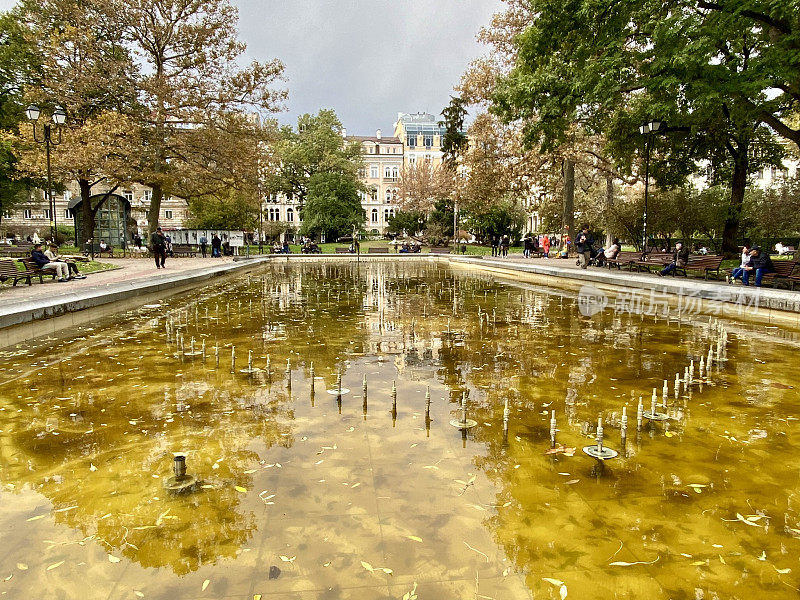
307, 494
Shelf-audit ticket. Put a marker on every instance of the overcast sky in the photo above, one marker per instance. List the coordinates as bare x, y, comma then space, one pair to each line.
366, 59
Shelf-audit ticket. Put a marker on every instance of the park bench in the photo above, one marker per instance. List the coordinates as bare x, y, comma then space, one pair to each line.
33, 269
710, 263
9, 270
183, 250
342, 250
440, 250
624, 258
15, 251
378, 250
656, 259
784, 271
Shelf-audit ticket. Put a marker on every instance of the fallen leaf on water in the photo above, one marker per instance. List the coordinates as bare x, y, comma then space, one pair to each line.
562, 591
256, 596
668, 434
638, 562
92, 467
205, 585
367, 566
782, 571
36, 518
287, 559
22, 566
239, 488
763, 556
415, 538
555, 582
138, 594
387, 571
722, 560
113, 559
697, 563
327, 564
55, 565
571, 481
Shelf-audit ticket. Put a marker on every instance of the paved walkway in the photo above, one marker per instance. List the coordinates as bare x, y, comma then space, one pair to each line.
130, 270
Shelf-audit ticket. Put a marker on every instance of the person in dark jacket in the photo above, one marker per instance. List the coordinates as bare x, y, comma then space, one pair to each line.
760, 262
583, 245
158, 244
44, 263
679, 259
216, 246
495, 243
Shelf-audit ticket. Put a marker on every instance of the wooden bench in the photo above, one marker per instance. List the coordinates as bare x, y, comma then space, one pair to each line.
657, 259
33, 269
434, 250
378, 250
705, 263
784, 270
16, 251
9, 270
624, 258
183, 250
342, 250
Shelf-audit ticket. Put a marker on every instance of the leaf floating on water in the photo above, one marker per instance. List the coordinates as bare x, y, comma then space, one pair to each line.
555, 582
22, 566
562, 591
138, 594
92, 468
113, 559
36, 518
387, 571
239, 488
782, 571
630, 564
327, 564
414, 538
54, 566
367, 566
697, 563
256, 596
763, 556
572, 481
287, 559
205, 585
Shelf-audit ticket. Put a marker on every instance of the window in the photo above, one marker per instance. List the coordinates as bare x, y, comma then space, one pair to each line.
374, 215
412, 140
386, 216
67, 196
148, 195
290, 215
412, 160
395, 172
128, 195
167, 214
388, 196
27, 213
373, 171
67, 213
46, 213
428, 139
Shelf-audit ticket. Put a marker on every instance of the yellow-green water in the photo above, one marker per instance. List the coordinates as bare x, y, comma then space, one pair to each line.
348, 501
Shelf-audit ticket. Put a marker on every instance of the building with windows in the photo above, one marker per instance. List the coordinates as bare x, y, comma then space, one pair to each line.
421, 136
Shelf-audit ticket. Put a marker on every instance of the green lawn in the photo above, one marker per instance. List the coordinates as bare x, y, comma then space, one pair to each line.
330, 248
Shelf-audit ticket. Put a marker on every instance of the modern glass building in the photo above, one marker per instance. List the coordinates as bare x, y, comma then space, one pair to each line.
112, 220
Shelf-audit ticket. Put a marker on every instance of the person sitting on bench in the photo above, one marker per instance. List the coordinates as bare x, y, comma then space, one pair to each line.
760, 262
46, 264
605, 254
738, 272
52, 254
679, 259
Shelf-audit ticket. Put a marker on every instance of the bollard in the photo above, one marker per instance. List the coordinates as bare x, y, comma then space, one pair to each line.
179, 467
394, 404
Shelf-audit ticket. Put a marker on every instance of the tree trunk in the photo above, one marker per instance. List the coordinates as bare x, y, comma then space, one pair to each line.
87, 218
155, 207
730, 234
608, 208
569, 198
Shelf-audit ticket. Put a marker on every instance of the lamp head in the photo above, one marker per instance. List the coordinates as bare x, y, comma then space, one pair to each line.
32, 112
59, 115
643, 129
656, 125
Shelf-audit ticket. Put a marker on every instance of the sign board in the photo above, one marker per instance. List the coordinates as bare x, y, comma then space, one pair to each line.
236, 239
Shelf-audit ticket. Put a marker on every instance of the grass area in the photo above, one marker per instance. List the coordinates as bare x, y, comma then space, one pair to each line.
330, 248
95, 267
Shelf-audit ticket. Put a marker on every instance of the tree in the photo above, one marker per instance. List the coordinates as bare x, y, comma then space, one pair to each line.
194, 96
333, 206
422, 185
694, 67
407, 222
316, 147
226, 210
454, 140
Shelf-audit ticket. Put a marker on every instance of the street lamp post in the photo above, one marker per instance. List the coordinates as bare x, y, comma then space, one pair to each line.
647, 130
59, 118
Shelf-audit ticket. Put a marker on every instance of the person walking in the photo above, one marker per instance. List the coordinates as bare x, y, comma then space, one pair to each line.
528, 247
158, 244
760, 262
203, 245
679, 259
546, 246
583, 245
504, 244
494, 245
216, 246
